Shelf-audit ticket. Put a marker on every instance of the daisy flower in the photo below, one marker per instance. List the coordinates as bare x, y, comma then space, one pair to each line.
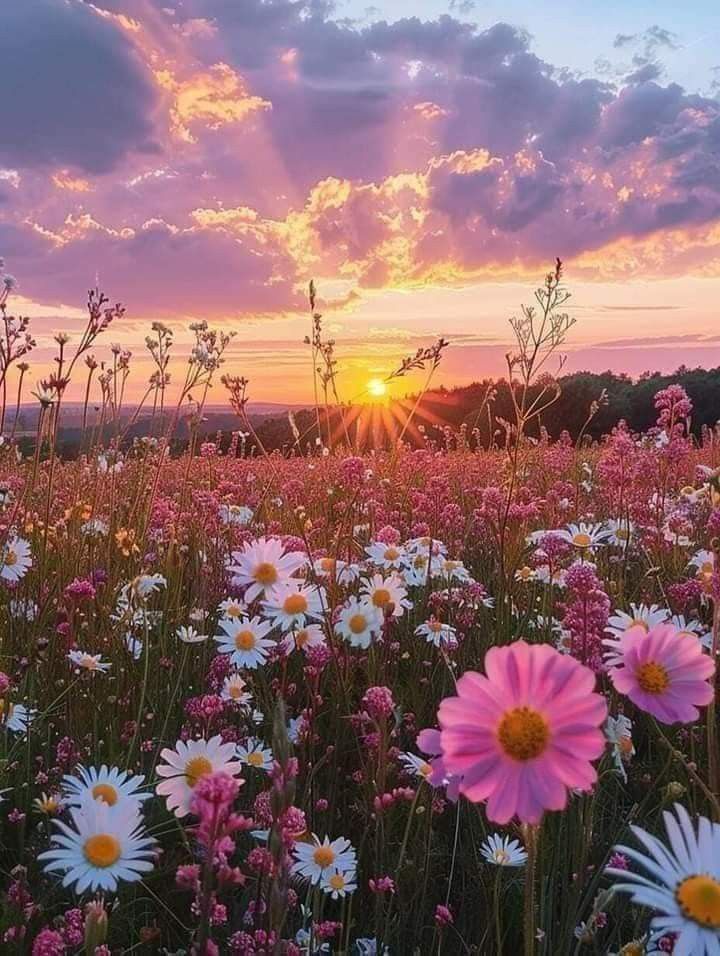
452, 570
15, 559
641, 615
703, 561
584, 536
662, 671
316, 859
417, 766
110, 784
263, 565
235, 515
386, 555
16, 717
619, 532
437, 633
546, 576
104, 846
333, 569
188, 635
338, 884
303, 639
254, 753
89, 662
526, 574
524, 733
188, 763
502, 851
294, 604
386, 594
232, 607
618, 731
428, 741
234, 689
359, 622
682, 884
426, 545
244, 639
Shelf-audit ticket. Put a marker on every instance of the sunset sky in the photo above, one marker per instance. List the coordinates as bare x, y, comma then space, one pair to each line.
424, 161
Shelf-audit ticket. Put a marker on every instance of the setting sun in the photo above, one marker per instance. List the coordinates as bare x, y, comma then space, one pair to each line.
376, 387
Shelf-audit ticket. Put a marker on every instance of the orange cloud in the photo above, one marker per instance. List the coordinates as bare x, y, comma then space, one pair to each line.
74, 184
211, 98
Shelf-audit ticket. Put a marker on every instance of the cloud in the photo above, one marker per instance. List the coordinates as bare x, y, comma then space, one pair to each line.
227, 151
75, 92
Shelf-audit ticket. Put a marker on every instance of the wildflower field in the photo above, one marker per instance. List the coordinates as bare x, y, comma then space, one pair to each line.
432, 700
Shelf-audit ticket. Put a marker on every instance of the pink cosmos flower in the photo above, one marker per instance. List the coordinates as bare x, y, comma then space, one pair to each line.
525, 734
663, 671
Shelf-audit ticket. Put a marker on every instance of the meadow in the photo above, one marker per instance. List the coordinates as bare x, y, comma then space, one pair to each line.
441, 699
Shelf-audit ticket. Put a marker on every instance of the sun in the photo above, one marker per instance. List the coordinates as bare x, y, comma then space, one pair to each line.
377, 388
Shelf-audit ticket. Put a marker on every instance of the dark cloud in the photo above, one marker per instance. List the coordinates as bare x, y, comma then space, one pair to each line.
74, 91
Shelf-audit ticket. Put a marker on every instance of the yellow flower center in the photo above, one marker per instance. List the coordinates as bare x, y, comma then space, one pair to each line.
10, 557
707, 567
106, 793
255, 759
391, 554
295, 604
435, 627
324, 856
381, 597
420, 562
501, 857
265, 573
622, 534
699, 899
526, 573
337, 881
357, 623
245, 640
196, 768
233, 611
424, 769
523, 733
327, 565
102, 850
235, 691
301, 638
653, 678
638, 622
582, 540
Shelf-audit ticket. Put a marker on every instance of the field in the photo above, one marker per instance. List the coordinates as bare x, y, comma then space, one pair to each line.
426, 700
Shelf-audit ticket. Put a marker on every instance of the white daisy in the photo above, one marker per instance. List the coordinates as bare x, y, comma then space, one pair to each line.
187, 764
437, 633
316, 859
620, 532
89, 662
415, 765
386, 555
339, 883
451, 571
245, 640
23, 609
293, 605
110, 784
234, 689
426, 546
683, 881
263, 565
386, 594
104, 846
584, 536
502, 851
703, 562
235, 515
16, 717
15, 559
255, 754
359, 622
618, 731
188, 635
333, 569
232, 607
304, 639
641, 615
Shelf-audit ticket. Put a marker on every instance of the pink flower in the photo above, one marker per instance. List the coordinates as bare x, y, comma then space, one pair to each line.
663, 671
525, 734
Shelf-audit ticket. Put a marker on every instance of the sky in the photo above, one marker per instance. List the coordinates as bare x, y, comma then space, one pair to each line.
423, 161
